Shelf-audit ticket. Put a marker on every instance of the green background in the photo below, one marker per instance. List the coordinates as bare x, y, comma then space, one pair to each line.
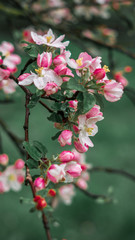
114, 147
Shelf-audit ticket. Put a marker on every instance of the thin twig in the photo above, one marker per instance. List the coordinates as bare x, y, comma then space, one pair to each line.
44, 105
94, 196
26, 65
16, 140
113, 171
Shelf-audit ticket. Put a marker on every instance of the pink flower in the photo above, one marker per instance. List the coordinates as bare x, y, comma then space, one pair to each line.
44, 59
23, 76
19, 164
79, 147
41, 79
99, 73
62, 58
49, 40
60, 69
112, 90
1, 60
51, 88
119, 78
56, 173
66, 193
4, 159
73, 104
39, 183
73, 169
66, 156
81, 183
83, 60
94, 114
65, 138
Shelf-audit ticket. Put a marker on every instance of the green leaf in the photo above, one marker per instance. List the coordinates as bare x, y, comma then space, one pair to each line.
56, 135
88, 101
35, 98
73, 84
99, 101
25, 200
40, 147
32, 151
55, 117
32, 164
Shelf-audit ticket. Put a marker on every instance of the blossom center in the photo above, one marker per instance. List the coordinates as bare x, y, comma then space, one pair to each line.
48, 38
79, 61
7, 54
12, 177
89, 130
39, 71
106, 68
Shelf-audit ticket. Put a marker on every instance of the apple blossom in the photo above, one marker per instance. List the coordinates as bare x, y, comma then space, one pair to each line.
51, 88
65, 138
79, 147
66, 156
44, 59
73, 169
19, 164
49, 40
66, 193
56, 173
39, 183
4, 159
51, 193
112, 90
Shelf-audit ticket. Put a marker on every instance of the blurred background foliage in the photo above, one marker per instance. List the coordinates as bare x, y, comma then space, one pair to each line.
114, 143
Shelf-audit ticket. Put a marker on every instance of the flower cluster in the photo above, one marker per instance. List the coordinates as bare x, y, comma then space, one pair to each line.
57, 73
12, 176
10, 60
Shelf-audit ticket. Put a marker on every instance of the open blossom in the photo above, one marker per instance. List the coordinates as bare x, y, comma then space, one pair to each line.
112, 90
49, 40
6, 84
65, 138
41, 79
10, 60
56, 173
67, 192
87, 128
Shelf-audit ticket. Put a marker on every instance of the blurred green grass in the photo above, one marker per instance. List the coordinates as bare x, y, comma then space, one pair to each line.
114, 147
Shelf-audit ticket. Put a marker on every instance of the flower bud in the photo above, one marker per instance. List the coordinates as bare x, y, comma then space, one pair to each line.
79, 147
66, 156
19, 164
65, 138
73, 104
51, 88
81, 183
60, 69
4, 159
44, 59
74, 169
99, 73
40, 202
55, 173
39, 183
51, 193
1, 61
60, 59
23, 76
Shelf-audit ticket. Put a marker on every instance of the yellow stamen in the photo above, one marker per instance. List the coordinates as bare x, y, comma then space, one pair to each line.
7, 54
106, 68
79, 61
12, 177
39, 71
89, 130
48, 38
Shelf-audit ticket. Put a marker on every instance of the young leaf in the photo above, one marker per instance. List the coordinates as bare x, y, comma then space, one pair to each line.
88, 101
55, 117
32, 164
32, 151
41, 148
56, 135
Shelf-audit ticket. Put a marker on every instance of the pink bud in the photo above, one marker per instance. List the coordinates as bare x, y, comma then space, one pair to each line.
74, 169
4, 159
1, 61
76, 129
73, 104
39, 183
60, 59
56, 173
44, 59
20, 178
69, 73
65, 138
60, 69
112, 90
19, 164
51, 88
66, 156
80, 148
95, 114
81, 183
23, 76
99, 73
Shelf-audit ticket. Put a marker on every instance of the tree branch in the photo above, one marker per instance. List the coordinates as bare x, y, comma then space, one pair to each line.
113, 171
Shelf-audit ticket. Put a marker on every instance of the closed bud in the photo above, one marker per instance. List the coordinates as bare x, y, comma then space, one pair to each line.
99, 73
66, 156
